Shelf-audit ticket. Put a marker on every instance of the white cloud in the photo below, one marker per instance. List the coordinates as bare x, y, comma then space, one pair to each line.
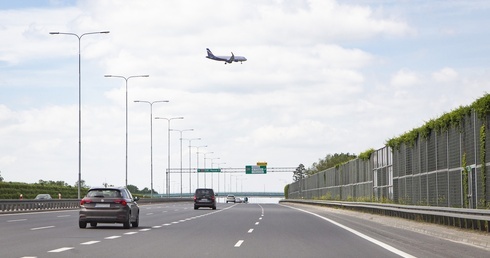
446, 74
405, 78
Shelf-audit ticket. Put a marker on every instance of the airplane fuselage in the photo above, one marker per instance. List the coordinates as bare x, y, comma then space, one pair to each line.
226, 59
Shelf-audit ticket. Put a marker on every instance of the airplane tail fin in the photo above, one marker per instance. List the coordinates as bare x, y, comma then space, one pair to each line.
210, 54
232, 58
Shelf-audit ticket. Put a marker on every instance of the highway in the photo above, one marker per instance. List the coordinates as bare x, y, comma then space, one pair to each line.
233, 230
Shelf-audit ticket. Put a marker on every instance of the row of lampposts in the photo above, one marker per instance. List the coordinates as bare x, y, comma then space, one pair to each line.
167, 177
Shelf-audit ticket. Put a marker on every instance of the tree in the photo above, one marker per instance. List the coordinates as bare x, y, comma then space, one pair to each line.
82, 184
1, 178
299, 173
133, 189
330, 161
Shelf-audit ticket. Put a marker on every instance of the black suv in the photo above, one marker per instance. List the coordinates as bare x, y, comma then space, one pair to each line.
204, 197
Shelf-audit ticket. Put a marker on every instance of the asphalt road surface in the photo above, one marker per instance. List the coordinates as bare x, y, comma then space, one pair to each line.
233, 230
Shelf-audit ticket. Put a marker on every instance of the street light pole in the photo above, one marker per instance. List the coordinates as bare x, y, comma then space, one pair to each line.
190, 164
205, 166
224, 183
184, 130
151, 137
126, 79
197, 164
167, 175
79, 99
212, 175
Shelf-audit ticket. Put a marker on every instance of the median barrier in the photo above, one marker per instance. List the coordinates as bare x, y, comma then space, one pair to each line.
475, 219
19, 206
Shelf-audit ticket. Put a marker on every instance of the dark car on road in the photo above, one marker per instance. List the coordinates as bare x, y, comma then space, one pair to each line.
204, 197
109, 205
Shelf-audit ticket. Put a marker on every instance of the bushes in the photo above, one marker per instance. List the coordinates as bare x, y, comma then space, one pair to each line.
12, 190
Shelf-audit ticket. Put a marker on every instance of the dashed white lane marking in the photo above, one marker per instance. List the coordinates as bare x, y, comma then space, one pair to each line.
250, 230
260, 218
16, 220
42, 228
63, 216
112, 237
145, 229
156, 227
131, 233
151, 213
239, 243
257, 223
90, 243
59, 250
166, 224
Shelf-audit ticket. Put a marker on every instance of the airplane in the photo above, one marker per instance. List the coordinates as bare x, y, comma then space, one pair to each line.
227, 59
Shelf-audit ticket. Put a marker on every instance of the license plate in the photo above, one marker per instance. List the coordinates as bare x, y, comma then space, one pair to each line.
204, 200
103, 205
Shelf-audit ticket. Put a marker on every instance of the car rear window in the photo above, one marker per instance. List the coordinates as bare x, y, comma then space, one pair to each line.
104, 193
204, 192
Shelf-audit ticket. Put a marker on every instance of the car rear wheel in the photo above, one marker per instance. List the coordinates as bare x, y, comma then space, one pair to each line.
93, 224
214, 207
127, 223
82, 224
137, 222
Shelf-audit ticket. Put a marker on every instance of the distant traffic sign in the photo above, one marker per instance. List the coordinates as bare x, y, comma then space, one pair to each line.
250, 169
209, 170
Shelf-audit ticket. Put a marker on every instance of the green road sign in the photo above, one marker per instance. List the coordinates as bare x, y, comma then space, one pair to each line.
251, 169
209, 170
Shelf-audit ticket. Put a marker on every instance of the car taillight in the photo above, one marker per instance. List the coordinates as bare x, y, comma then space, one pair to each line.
212, 198
195, 198
84, 201
121, 201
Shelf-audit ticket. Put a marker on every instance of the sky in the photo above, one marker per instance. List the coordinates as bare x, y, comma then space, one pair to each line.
322, 77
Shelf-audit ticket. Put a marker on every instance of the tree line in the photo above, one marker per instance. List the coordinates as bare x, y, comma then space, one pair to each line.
330, 161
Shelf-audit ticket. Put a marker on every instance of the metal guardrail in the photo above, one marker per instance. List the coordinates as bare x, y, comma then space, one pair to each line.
19, 206
456, 217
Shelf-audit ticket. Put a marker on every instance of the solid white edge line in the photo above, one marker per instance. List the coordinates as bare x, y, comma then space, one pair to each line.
368, 238
239, 243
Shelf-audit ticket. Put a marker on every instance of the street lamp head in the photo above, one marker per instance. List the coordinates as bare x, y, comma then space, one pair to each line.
52, 33
107, 75
105, 32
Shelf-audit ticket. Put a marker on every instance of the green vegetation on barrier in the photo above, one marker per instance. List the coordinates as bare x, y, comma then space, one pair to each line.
453, 119
366, 155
